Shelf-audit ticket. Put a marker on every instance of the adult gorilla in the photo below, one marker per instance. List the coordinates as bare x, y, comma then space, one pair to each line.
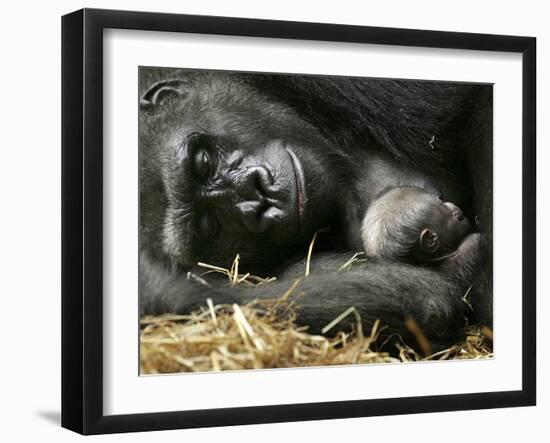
255, 164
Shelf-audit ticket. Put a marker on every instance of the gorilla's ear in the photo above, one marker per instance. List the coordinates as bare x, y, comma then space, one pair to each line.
161, 90
429, 241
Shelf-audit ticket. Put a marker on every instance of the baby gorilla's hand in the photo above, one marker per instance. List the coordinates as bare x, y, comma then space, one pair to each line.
471, 245
465, 263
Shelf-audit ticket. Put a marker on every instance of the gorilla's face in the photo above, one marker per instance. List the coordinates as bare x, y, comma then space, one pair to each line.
241, 174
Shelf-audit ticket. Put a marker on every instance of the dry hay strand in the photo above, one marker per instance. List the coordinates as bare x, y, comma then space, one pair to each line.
478, 344
263, 334
233, 274
255, 336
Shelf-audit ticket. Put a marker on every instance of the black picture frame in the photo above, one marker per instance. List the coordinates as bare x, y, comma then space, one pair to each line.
82, 218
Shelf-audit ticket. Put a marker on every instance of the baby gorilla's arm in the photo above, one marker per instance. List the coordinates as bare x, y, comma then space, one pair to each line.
465, 263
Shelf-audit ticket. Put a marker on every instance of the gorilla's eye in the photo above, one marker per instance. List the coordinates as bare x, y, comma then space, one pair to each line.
206, 227
202, 163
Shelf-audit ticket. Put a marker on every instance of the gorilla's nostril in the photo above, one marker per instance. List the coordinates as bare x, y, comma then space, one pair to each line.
253, 182
264, 179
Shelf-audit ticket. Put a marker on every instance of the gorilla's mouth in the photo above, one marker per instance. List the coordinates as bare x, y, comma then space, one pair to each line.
300, 184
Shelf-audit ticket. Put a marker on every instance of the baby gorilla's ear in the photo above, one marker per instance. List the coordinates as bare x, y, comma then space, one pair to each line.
429, 241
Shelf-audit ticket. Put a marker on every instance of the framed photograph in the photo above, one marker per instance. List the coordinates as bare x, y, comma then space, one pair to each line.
269, 221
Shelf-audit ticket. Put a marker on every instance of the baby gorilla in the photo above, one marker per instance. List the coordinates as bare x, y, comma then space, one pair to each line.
411, 225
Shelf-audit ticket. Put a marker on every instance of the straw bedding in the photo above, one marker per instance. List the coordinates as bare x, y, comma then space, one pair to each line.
263, 334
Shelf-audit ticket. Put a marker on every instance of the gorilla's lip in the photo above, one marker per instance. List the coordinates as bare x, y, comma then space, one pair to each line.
300, 183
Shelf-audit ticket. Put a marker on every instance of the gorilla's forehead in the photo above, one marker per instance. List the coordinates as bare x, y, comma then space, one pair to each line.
225, 106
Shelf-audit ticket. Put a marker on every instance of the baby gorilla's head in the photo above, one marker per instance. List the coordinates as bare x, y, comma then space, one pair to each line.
412, 225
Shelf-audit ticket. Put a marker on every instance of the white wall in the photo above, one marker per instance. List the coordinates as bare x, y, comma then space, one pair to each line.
30, 217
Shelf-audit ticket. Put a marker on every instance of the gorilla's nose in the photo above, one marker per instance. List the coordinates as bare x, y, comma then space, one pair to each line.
255, 207
455, 210
253, 183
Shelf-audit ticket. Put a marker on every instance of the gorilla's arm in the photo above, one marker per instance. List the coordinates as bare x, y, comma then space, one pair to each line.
391, 292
